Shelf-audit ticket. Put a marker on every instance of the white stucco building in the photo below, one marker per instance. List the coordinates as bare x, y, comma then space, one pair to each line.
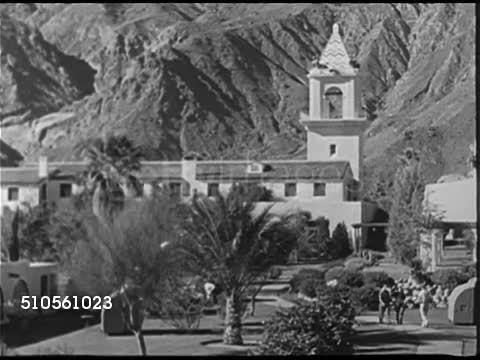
453, 241
326, 183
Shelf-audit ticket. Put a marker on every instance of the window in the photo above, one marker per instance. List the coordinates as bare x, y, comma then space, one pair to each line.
175, 188
255, 168
319, 189
13, 194
65, 190
334, 102
213, 189
333, 149
291, 189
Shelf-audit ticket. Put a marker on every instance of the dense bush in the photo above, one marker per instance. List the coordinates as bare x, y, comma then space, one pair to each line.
356, 264
319, 327
305, 275
274, 273
376, 278
334, 273
449, 278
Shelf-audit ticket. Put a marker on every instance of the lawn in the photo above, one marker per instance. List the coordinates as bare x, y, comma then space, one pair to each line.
160, 337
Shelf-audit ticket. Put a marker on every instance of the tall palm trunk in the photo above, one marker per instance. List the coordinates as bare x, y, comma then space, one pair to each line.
233, 320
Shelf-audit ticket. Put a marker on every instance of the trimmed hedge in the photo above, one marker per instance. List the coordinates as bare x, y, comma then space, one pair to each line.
356, 264
305, 275
334, 273
376, 278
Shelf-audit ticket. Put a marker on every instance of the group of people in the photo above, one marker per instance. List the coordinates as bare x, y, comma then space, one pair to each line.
402, 294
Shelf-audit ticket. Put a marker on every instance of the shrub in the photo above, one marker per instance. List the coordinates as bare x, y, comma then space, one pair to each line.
356, 264
183, 307
351, 278
319, 327
303, 275
376, 278
449, 278
334, 273
275, 272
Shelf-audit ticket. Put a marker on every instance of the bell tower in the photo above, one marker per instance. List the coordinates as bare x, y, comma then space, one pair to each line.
334, 123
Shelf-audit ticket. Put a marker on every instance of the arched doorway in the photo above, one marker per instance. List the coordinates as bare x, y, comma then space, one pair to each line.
334, 103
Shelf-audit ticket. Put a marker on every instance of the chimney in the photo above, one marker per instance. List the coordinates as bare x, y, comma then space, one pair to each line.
42, 166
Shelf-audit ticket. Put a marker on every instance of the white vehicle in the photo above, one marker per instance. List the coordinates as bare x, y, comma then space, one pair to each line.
25, 278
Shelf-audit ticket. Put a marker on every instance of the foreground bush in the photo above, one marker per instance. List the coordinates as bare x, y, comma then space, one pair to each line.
319, 327
449, 278
305, 275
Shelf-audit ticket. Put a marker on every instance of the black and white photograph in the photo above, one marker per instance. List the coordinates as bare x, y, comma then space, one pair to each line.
238, 179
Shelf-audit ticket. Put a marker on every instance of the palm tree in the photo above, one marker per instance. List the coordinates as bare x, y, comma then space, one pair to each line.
109, 178
224, 240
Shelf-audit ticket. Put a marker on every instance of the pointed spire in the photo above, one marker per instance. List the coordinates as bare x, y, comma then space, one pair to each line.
335, 56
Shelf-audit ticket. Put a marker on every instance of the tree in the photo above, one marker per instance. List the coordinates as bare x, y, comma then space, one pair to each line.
26, 231
408, 218
129, 252
110, 176
339, 245
223, 240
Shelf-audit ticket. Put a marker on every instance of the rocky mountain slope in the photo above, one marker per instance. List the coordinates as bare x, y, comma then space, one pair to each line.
229, 80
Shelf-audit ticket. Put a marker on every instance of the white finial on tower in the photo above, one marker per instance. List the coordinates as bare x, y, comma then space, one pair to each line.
335, 28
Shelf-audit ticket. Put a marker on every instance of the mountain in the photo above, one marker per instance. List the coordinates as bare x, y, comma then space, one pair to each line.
229, 80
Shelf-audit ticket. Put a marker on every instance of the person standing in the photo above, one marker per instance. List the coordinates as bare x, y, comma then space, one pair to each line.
384, 299
424, 299
399, 304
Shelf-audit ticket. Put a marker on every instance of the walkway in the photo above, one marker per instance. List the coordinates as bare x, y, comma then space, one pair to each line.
441, 338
